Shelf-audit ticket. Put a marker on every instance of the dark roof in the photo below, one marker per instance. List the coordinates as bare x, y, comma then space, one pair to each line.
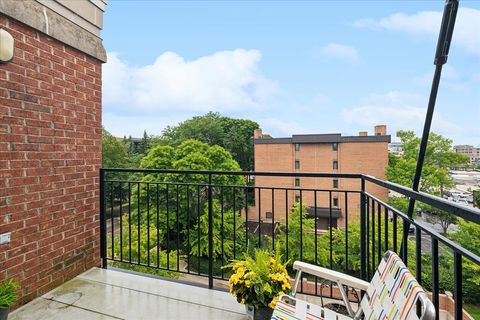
273, 141
323, 212
322, 138
386, 138
316, 138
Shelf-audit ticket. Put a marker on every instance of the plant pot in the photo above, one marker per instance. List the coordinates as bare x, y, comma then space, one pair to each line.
262, 313
3, 313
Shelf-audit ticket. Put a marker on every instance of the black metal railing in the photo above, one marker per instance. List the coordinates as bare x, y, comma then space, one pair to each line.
170, 222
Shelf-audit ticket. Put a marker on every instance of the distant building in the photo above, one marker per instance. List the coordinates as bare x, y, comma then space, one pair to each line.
395, 148
135, 144
473, 153
332, 153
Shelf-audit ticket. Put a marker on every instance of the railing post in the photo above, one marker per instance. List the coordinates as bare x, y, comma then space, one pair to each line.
103, 221
404, 247
363, 237
457, 295
210, 232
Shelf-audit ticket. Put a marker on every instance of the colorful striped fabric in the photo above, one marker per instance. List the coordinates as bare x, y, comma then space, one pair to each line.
393, 292
289, 308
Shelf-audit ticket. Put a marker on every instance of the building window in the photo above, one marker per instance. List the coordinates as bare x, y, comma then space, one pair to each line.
335, 146
269, 215
335, 165
297, 164
335, 202
297, 198
297, 146
297, 182
335, 183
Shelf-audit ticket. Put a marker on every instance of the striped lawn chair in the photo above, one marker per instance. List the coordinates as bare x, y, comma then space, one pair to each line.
393, 293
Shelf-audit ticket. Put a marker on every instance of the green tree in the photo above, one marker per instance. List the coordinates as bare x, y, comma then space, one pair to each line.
439, 158
144, 253
178, 201
207, 128
144, 144
224, 225
239, 140
235, 135
114, 151
476, 198
468, 236
300, 225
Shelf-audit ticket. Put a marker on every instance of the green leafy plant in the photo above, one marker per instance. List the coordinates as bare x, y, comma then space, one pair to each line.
8, 293
142, 246
223, 234
259, 280
439, 158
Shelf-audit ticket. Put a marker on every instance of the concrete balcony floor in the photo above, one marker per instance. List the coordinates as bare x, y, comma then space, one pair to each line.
109, 294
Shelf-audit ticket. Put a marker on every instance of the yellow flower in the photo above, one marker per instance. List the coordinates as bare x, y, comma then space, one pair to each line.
273, 303
240, 271
233, 279
248, 283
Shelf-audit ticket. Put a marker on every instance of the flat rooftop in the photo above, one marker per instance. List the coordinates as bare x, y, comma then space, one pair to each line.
322, 138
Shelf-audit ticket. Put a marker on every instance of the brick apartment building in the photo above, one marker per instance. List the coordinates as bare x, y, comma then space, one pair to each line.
473, 153
326, 153
50, 141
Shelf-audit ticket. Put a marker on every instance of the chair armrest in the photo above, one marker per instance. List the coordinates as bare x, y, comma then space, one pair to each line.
327, 274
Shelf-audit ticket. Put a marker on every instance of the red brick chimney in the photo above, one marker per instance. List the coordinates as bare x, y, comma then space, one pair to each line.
381, 130
257, 134
363, 133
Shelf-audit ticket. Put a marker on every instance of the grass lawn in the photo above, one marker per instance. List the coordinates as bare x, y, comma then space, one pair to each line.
474, 311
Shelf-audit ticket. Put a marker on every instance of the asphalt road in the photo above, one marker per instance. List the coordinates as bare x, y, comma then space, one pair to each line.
426, 239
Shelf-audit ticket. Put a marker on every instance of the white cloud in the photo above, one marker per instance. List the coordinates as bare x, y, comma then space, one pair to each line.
340, 51
399, 111
465, 35
450, 80
224, 81
134, 124
279, 128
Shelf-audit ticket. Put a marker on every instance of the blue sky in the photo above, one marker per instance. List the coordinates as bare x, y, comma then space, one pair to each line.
294, 67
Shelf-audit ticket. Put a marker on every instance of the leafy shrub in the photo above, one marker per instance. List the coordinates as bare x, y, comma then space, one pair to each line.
8, 293
259, 280
141, 250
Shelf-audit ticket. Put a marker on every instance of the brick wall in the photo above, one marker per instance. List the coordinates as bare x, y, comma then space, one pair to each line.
50, 153
353, 157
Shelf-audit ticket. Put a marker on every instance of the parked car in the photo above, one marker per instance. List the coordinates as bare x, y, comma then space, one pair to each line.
411, 229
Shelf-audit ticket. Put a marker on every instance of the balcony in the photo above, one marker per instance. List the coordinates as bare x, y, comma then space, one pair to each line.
178, 228
110, 294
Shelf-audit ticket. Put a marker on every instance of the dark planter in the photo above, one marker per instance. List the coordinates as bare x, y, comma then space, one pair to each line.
263, 313
3, 313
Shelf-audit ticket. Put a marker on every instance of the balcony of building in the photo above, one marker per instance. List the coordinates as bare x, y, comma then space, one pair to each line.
166, 235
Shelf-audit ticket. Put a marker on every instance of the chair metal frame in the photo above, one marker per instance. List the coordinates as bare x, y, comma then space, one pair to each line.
427, 310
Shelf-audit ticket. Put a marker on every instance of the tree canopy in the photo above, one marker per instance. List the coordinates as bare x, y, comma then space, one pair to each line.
235, 135
114, 152
439, 158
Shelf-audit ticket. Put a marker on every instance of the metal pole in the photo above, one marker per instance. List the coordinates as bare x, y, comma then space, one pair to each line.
103, 221
363, 237
210, 233
441, 55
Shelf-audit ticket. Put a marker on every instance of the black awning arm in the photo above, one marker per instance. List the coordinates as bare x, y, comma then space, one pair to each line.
441, 55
